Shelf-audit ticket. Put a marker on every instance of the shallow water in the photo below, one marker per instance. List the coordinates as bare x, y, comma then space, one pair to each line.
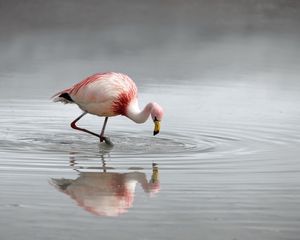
225, 167
226, 163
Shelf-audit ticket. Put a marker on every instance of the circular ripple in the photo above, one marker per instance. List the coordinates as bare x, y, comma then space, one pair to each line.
192, 147
218, 141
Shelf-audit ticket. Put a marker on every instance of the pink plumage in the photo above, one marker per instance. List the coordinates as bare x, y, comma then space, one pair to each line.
109, 94
103, 94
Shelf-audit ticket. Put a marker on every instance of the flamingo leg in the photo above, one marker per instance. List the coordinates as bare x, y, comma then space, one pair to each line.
73, 125
103, 129
102, 138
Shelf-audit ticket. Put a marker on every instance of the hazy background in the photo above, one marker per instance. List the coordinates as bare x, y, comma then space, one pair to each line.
226, 73
48, 45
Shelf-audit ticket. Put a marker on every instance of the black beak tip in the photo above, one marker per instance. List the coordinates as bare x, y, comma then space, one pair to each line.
155, 133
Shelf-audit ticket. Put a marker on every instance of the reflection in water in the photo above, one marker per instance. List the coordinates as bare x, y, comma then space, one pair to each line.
106, 193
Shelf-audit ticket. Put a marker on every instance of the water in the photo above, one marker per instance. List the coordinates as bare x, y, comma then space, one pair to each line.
227, 168
226, 163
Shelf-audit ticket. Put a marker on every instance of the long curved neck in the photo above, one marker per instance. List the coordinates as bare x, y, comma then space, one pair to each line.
136, 115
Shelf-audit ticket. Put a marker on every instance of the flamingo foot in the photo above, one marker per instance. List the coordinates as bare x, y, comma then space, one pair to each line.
106, 140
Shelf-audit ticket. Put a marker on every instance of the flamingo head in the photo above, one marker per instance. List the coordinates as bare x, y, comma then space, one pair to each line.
157, 114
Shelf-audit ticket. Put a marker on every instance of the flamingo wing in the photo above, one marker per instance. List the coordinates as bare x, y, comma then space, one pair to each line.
102, 94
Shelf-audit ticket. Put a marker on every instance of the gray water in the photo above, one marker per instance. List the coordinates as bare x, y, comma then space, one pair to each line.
226, 163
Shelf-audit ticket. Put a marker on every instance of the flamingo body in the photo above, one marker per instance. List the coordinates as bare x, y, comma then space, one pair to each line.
102, 94
109, 94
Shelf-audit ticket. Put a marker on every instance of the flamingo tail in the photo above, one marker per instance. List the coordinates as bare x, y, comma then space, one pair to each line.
63, 97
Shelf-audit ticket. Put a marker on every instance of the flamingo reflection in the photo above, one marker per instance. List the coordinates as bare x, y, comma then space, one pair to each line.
107, 193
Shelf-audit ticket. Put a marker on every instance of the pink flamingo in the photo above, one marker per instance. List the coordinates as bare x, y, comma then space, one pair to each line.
109, 94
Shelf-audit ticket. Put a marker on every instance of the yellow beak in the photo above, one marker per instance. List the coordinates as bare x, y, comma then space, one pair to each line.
156, 127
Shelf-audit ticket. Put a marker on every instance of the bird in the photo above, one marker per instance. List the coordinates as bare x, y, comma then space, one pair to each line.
109, 94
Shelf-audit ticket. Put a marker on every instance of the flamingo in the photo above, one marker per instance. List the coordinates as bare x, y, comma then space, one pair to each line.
109, 94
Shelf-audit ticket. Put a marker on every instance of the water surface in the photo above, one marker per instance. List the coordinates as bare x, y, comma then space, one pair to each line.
227, 168
226, 163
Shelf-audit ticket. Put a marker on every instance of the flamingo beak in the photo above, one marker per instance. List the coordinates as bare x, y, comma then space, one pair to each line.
156, 127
